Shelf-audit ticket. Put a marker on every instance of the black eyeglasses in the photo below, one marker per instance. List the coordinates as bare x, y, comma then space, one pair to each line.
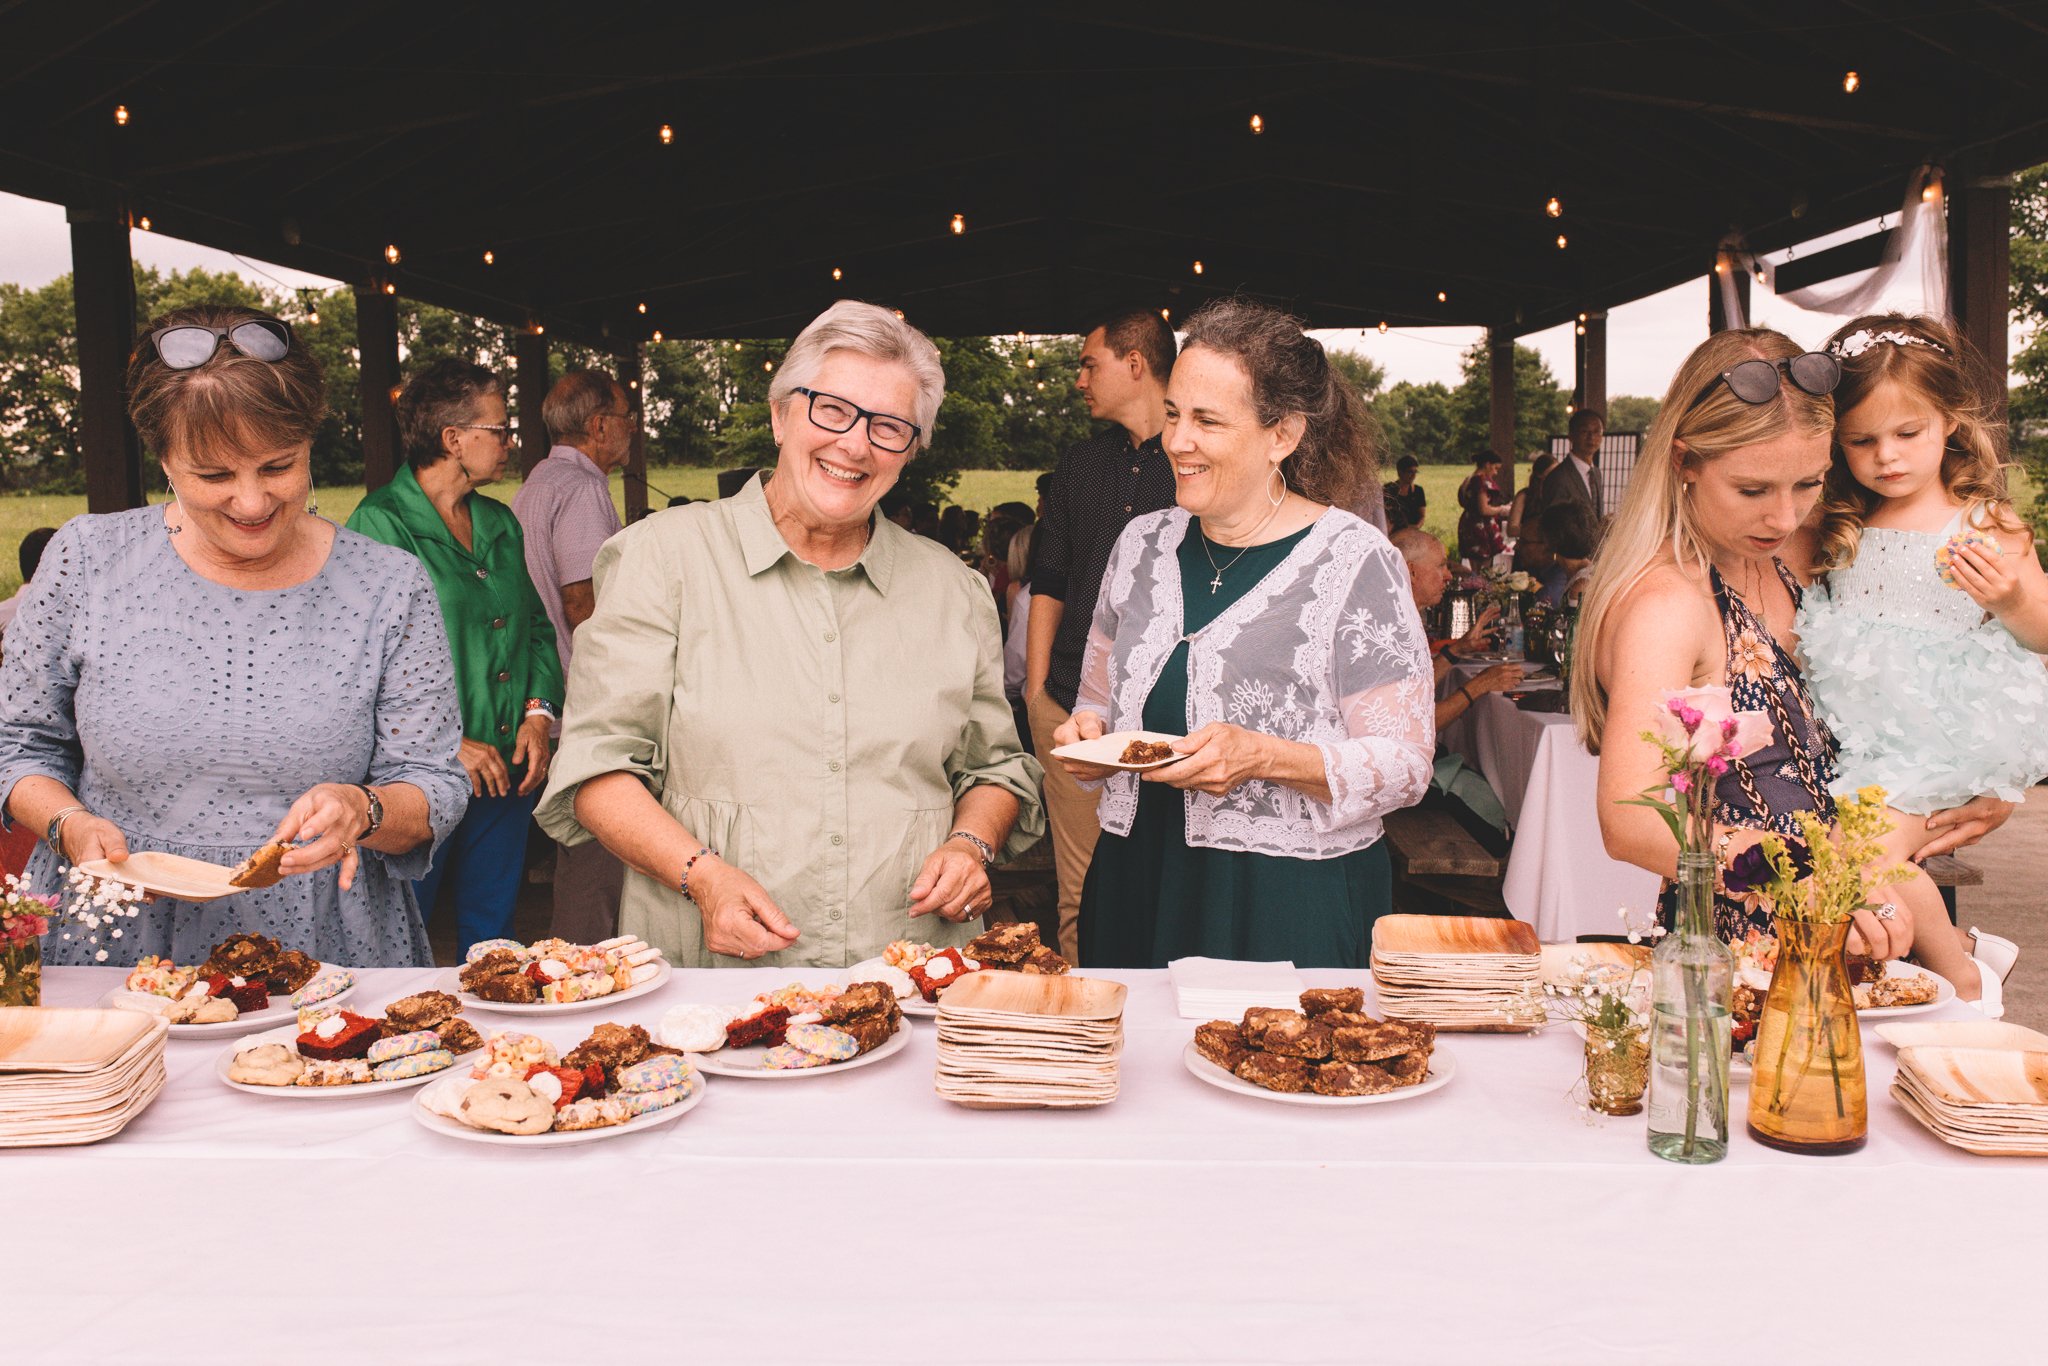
1756, 381
189, 345
836, 414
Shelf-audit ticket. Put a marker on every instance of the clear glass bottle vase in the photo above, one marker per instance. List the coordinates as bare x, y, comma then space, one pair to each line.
1692, 984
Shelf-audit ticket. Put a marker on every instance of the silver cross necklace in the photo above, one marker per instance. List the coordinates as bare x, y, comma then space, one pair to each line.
1216, 579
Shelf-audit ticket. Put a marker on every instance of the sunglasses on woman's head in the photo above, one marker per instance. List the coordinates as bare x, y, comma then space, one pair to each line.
189, 345
1757, 381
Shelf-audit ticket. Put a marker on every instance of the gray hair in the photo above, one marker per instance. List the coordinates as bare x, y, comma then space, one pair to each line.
577, 397
850, 325
1414, 544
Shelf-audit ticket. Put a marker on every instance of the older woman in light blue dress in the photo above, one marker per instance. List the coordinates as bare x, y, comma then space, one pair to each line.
207, 677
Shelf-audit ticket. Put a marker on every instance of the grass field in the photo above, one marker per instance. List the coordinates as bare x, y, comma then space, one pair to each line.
977, 489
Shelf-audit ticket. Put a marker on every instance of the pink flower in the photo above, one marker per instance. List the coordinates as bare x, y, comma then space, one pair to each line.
1699, 721
1716, 765
1681, 781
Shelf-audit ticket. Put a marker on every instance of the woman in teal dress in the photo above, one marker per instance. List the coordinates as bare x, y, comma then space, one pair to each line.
1275, 631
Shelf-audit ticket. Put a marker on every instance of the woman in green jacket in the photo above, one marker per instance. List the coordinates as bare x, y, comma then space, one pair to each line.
507, 673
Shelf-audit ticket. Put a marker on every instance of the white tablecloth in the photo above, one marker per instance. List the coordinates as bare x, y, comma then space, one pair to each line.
858, 1218
1559, 877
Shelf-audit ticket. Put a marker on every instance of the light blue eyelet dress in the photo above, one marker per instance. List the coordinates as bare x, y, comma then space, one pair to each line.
1928, 696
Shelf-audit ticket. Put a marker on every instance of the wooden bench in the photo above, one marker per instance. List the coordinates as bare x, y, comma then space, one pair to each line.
1439, 868
1949, 873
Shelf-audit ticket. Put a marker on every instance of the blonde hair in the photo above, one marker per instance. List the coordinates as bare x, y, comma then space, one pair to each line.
1699, 421
1947, 374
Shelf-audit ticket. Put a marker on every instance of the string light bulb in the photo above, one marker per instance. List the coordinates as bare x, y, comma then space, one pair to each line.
1570, 408
1720, 267
1553, 207
767, 365
1851, 83
390, 288
898, 312
1760, 275
313, 317
959, 224
391, 252
1383, 327
1041, 384
1930, 192
838, 274
1198, 267
1579, 329
657, 334
642, 306
1582, 317
143, 222
540, 330
1258, 125
1561, 240
1165, 315
1442, 297
490, 257
121, 115
668, 134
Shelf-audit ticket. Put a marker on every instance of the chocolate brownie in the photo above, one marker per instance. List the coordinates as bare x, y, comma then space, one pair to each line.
422, 1010
1408, 1069
243, 955
1324, 999
1371, 1043
512, 988
1219, 1039
1341, 1019
1351, 1079
1315, 1042
1260, 1019
1043, 962
457, 1035
869, 1031
860, 999
1008, 943
1275, 1073
291, 971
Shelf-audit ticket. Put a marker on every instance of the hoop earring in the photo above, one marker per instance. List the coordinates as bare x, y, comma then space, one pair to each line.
1276, 502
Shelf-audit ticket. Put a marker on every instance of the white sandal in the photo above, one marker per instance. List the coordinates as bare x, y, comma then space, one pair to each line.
1993, 951
1990, 1002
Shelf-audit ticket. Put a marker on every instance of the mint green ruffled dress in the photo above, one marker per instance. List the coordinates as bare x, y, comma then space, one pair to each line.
1927, 695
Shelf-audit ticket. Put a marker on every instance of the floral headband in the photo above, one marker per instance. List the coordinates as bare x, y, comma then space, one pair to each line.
1856, 343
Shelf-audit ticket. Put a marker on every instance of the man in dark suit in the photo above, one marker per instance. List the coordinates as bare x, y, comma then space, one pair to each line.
1575, 479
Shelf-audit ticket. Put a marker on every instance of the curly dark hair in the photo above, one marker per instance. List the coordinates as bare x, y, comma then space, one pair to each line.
1290, 373
441, 396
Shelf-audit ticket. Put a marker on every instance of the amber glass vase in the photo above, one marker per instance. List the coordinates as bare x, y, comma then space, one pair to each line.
21, 973
1807, 1093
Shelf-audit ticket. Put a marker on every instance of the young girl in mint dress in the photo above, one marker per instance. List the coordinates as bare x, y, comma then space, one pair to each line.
1922, 641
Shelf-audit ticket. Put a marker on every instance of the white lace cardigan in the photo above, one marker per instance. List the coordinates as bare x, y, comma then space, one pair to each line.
1327, 649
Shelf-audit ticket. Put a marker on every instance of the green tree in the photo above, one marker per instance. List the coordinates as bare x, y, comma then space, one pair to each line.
1631, 413
1539, 403
1418, 420
1362, 373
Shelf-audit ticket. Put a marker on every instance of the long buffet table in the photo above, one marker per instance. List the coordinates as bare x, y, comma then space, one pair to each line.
858, 1218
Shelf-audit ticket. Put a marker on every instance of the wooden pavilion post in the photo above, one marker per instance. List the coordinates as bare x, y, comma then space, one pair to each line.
632, 374
530, 356
1500, 351
1717, 316
1590, 390
103, 304
1980, 269
377, 382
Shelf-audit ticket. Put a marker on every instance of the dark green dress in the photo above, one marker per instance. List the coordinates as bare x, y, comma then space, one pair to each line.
1150, 898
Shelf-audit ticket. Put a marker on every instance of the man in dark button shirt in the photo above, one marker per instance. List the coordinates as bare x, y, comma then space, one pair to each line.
1100, 485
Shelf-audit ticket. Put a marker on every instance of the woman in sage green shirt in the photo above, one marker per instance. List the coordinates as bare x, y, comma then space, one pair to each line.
786, 715
507, 672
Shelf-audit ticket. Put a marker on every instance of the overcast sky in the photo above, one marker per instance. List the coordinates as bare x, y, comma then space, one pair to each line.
1646, 339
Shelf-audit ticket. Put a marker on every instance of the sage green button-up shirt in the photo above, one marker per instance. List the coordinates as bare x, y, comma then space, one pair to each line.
814, 726
498, 631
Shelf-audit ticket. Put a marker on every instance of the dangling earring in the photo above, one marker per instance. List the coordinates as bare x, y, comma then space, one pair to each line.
1276, 501
312, 502
177, 507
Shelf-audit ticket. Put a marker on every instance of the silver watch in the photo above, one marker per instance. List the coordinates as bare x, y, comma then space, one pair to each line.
981, 846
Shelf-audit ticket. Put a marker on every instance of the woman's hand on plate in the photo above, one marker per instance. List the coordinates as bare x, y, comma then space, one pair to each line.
86, 837
323, 825
488, 776
953, 884
1082, 725
1218, 757
740, 919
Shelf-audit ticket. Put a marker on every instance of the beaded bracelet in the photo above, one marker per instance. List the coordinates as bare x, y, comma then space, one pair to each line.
690, 863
